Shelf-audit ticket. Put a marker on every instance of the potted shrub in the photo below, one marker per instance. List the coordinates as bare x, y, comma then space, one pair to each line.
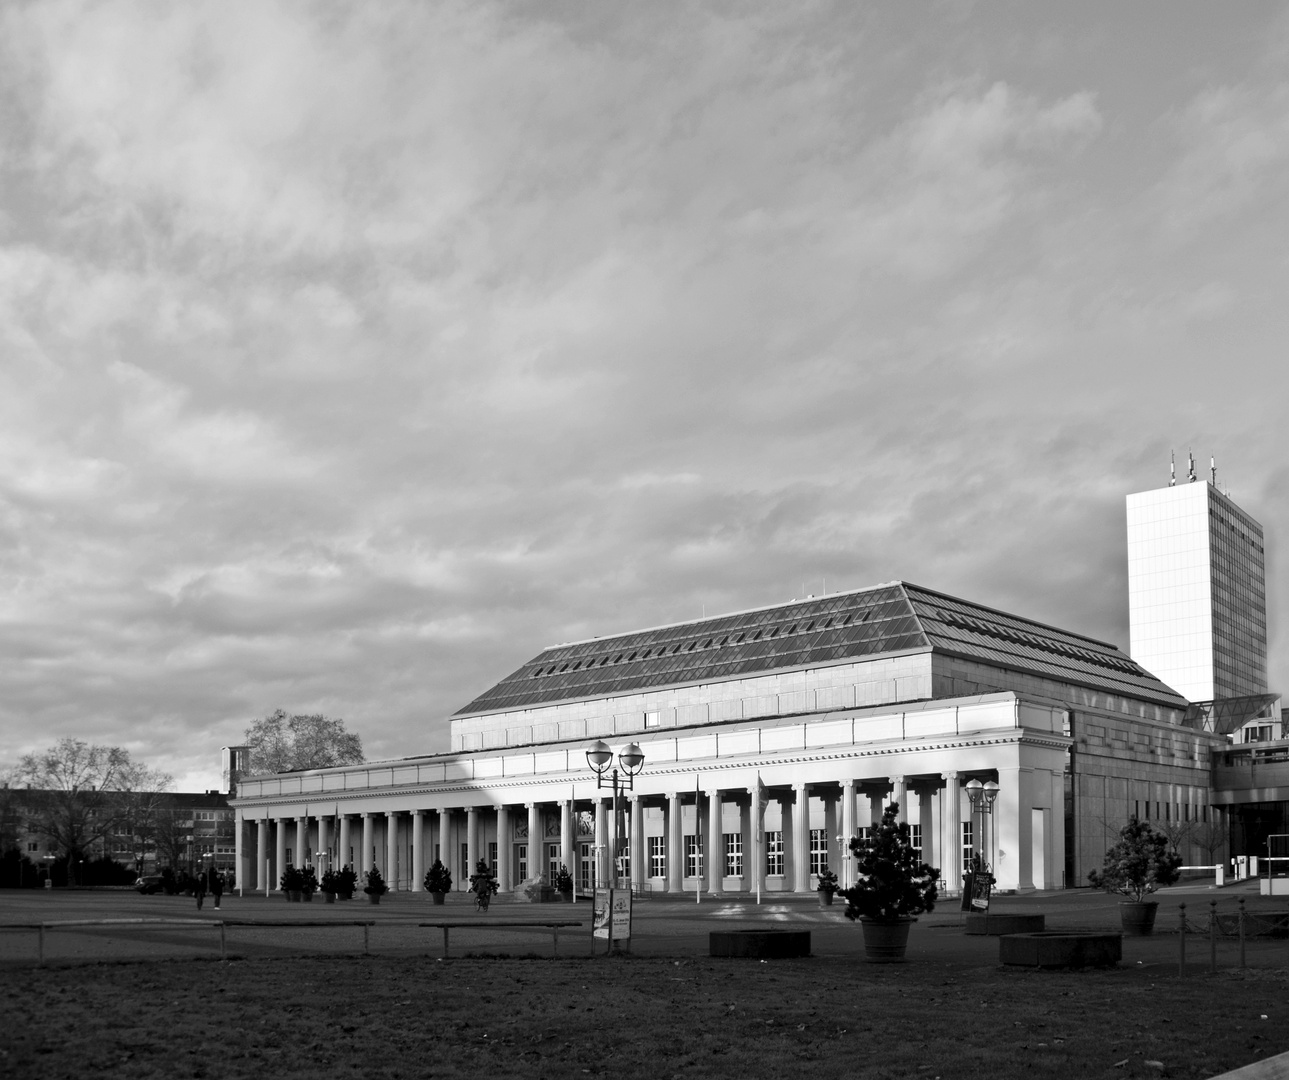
292, 884
892, 886
828, 884
308, 883
483, 885
330, 885
375, 887
438, 881
1136, 866
563, 884
346, 882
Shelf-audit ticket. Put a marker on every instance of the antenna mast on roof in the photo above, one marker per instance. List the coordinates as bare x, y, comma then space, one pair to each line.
1190, 467
1172, 468
1212, 468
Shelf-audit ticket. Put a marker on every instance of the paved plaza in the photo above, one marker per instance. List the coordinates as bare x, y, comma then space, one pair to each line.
259, 926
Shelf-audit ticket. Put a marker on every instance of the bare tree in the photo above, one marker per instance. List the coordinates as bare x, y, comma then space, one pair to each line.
79, 795
282, 743
1178, 833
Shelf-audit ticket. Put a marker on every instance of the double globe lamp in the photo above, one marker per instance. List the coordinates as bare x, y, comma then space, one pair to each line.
631, 761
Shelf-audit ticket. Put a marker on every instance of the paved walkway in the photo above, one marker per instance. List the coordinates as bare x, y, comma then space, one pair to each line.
661, 927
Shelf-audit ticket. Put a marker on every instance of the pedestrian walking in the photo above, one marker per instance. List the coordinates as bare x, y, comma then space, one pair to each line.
216, 886
199, 889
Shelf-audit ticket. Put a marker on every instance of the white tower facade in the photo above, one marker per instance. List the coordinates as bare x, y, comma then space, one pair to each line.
1197, 592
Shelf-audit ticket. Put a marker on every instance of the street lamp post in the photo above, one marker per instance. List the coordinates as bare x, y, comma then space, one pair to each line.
600, 757
982, 798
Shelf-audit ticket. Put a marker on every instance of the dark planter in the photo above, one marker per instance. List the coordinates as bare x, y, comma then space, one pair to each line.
373, 897
885, 940
825, 897
329, 897
308, 897
566, 895
1138, 920
296, 895
437, 897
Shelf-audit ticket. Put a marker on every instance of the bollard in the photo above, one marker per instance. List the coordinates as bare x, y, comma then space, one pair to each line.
1181, 941
1212, 936
40, 954
366, 939
1240, 921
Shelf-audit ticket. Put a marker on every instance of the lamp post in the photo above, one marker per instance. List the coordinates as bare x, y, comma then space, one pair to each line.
600, 758
982, 798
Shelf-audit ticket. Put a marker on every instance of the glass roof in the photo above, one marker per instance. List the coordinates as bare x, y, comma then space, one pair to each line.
865, 624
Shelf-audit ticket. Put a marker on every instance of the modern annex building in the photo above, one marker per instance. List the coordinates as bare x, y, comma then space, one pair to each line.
836, 705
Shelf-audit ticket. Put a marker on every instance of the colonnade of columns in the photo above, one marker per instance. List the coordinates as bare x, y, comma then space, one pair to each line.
711, 838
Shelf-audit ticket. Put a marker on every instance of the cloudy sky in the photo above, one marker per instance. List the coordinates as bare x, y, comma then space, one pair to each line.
349, 354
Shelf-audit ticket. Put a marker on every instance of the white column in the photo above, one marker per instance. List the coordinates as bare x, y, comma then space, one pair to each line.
535, 867
418, 849
342, 854
503, 849
951, 871
900, 794
261, 853
847, 831
279, 864
754, 856
391, 851
675, 852
1013, 828
801, 840
239, 851
324, 840
603, 844
471, 841
369, 843
934, 853
715, 842
637, 841
301, 855
566, 835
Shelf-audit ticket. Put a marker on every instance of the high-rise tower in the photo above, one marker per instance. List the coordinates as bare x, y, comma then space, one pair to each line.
1197, 591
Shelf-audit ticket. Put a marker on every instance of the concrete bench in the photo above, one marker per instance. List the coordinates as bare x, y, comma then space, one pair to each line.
487, 924
998, 925
1053, 949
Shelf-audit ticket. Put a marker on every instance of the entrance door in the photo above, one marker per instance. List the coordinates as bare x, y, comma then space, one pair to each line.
586, 871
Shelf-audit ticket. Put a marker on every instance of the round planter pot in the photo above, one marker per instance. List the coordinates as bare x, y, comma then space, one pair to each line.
1138, 920
329, 897
308, 898
373, 897
296, 895
885, 941
437, 897
825, 898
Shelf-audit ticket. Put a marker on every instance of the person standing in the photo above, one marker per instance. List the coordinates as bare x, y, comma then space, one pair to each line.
216, 886
199, 889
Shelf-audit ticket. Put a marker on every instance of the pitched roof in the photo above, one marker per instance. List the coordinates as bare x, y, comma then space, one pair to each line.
862, 625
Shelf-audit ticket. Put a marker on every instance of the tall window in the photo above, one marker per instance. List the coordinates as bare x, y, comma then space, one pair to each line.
466, 868
521, 861
818, 850
968, 845
774, 853
552, 860
693, 855
915, 839
733, 854
492, 857
657, 856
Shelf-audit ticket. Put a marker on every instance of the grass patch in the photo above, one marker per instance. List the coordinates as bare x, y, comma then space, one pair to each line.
626, 1017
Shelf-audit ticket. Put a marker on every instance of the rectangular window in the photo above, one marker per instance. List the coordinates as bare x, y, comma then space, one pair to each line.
693, 855
818, 850
32, 845
968, 845
466, 868
289, 862
915, 838
774, 853
733, 854
492, 857
552, 860
657, 856
521, 861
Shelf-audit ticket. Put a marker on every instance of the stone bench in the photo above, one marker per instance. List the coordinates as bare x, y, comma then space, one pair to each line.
998, 925
760, 944
1053, 949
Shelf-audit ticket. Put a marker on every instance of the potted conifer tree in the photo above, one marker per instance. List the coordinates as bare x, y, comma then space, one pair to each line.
292, 884
375, 887
563, 884
438, 881
1137, 865
827, 885
892, 886
330, 885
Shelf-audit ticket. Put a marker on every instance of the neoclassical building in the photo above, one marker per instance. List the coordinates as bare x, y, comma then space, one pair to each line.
834, 705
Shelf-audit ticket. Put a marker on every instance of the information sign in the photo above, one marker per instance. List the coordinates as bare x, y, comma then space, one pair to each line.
981, 884
611, 915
